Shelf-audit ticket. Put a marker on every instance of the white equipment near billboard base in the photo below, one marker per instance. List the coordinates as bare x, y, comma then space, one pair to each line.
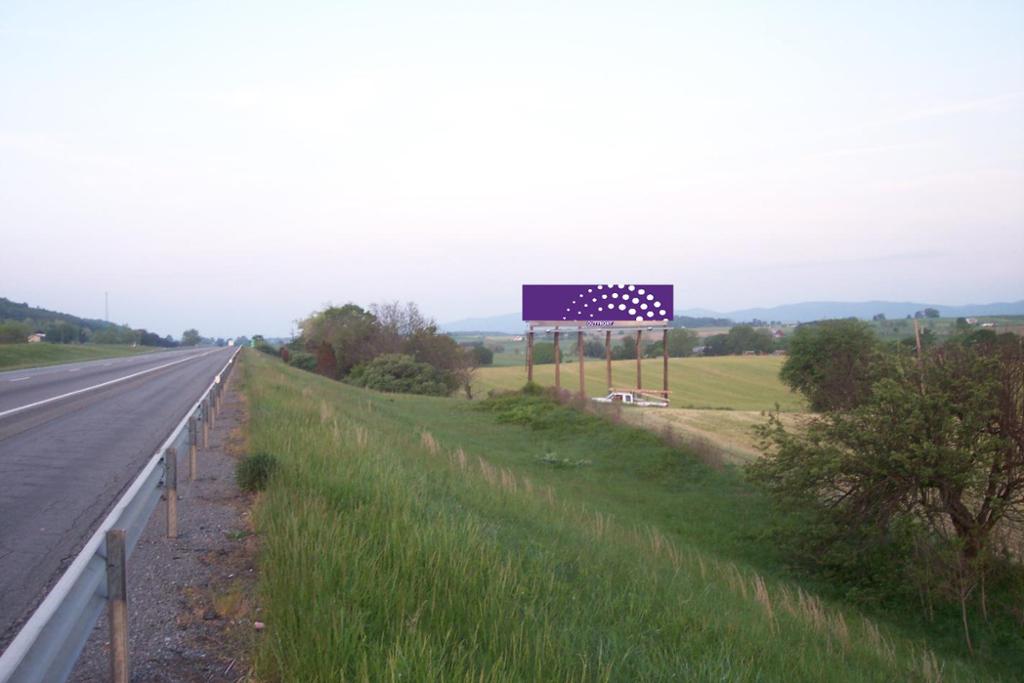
632, 397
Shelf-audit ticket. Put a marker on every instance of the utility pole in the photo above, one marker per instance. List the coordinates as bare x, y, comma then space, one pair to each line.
106, 306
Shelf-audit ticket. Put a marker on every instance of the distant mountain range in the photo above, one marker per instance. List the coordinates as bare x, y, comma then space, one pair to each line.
821, 310
788, 313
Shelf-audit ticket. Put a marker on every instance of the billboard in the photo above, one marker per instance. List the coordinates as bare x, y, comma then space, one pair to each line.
594, 304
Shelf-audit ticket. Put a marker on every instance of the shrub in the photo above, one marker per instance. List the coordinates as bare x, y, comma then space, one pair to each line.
303, 361
543, 353
254, 471
398, 373
261, 345
538, 408
326, 361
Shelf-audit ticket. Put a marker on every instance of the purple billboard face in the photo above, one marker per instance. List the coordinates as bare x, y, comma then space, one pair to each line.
634, 303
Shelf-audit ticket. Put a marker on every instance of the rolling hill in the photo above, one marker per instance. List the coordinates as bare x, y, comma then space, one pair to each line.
511, 323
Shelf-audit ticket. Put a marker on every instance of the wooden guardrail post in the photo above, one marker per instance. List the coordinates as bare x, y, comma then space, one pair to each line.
206, 423
171, 463
117, 605
192, 439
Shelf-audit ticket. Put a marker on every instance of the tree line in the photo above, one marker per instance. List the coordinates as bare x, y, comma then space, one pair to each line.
19, 320
682, 343
64, 332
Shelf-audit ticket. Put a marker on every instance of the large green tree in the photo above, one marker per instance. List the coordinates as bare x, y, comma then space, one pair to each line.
744, 338
680, 344
925, 471
13, 331
190, 337
349, 330
832, 363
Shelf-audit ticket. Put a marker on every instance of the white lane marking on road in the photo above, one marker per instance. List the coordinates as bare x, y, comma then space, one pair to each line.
74, 369
5, 413
20, 379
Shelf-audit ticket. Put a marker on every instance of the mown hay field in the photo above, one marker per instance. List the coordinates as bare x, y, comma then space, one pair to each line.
722, 382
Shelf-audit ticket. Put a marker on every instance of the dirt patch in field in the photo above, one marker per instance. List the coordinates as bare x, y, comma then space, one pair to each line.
728, 432
191, 600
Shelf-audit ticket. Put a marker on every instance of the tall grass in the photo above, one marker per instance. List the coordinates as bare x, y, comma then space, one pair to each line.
388, 555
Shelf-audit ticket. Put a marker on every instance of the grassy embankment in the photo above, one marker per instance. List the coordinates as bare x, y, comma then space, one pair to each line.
18, 356
419, 538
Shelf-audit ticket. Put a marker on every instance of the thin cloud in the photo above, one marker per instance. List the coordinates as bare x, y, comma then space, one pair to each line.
868, 150
995, 103
900, 257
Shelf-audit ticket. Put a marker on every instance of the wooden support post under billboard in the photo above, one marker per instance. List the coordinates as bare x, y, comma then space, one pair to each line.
558, 364
608, 357
664, 353
639, 341
579, 351
529, 356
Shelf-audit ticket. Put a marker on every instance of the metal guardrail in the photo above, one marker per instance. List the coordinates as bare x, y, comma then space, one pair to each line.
48, 645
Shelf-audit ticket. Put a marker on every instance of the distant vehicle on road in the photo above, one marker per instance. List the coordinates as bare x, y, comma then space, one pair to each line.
633, 398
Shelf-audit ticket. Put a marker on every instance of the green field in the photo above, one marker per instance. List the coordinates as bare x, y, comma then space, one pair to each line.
902, 328
18, 356
511, 352
721, 382
425, 539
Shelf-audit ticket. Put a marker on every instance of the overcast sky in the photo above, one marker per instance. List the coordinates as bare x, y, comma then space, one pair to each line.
234, 165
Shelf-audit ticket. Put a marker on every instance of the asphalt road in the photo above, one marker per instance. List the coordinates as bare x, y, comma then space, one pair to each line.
72, 437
